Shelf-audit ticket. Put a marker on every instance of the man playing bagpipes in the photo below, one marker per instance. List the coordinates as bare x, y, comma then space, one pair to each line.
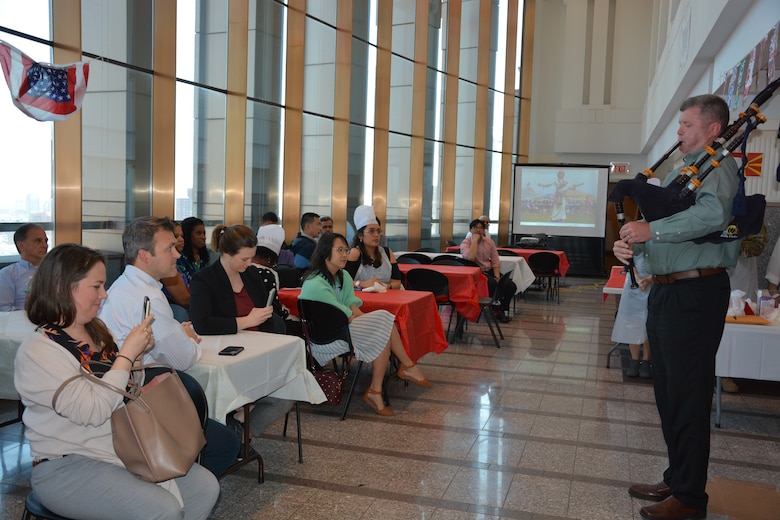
686, 309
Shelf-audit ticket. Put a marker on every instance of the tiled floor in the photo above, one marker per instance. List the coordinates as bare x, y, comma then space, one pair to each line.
539, 429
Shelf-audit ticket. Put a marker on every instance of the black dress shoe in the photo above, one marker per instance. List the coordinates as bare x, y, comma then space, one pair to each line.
654, 492
671, 509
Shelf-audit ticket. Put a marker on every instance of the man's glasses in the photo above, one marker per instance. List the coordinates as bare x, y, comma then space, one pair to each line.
341, 250
377, 231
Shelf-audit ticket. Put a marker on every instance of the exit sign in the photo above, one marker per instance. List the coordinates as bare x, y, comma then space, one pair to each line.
619, 167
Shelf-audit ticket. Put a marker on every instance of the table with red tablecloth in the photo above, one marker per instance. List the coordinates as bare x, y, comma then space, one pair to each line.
466, 285
416, 317
563, 264
617, 279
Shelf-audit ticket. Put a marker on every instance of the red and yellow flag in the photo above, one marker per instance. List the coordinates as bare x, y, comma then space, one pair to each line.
754, 165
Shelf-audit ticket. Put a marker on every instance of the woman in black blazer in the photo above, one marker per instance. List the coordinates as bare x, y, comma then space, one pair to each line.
228, 296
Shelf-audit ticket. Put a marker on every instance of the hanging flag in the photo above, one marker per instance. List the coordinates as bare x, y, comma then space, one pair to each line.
751, 67
42, 91
755, 163
770, 70
732, 87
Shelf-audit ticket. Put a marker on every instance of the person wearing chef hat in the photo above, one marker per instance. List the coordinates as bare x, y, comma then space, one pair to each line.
370, 263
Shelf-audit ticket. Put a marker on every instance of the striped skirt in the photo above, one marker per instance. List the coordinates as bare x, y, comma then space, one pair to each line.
370, 334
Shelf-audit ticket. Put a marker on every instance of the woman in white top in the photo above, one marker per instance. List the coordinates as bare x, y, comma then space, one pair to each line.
76, 472
368, 262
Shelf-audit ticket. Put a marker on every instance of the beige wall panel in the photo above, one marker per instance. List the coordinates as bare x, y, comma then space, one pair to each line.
450, 123
66, 30
505, 201
235, 131
341, 112
417, 152
526, 77
164, 108
382, 114
293, 118
481, 116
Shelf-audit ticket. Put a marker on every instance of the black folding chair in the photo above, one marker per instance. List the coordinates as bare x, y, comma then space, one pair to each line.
435, 282
546, 265
446, 260
467, 262
322, 324
412, 258
289, 276
487, 304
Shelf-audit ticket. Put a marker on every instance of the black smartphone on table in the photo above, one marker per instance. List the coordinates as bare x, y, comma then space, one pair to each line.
231, 351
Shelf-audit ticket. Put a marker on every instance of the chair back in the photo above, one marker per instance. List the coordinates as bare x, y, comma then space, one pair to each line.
451, 243
467, 262
419, 257
507, 252
431, 281
404, 259
323, 323
446, 260
500, 288
544, 263
425, 250
289, 276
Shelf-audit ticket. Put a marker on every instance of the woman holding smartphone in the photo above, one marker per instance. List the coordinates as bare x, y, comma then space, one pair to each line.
227, 296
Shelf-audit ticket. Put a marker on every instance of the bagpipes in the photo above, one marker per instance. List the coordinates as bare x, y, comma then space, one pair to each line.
658, 202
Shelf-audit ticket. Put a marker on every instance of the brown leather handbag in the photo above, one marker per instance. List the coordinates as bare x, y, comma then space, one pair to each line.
157, 434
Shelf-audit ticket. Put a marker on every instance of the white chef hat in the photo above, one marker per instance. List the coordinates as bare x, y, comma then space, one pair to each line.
271, 236
364, 215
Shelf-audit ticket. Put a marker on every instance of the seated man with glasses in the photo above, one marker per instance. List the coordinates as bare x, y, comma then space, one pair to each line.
482, 250
369, 262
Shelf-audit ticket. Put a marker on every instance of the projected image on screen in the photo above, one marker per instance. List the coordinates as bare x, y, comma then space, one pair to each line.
560, 200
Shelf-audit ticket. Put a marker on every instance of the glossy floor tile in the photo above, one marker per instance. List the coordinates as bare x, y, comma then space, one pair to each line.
539, 430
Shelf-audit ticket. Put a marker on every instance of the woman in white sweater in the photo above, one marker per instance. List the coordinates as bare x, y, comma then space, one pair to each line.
72, 444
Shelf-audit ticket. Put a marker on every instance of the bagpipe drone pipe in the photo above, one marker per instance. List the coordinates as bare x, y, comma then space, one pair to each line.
656, 202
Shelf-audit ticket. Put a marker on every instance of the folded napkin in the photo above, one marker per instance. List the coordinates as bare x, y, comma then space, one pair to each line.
377, 287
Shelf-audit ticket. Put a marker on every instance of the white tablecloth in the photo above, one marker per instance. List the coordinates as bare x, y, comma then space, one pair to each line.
749, 352
271, 364
14, 328
521, 273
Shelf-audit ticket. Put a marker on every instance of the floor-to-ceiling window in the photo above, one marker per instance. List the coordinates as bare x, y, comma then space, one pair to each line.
373, 124
26, 163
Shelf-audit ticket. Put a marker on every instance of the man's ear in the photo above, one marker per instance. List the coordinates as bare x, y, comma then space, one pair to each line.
143, 256
715, 129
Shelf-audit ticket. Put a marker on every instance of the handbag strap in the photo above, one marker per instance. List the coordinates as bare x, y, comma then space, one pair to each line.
84, 373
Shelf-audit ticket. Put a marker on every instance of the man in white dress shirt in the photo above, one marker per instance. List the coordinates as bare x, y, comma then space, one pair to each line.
151, 254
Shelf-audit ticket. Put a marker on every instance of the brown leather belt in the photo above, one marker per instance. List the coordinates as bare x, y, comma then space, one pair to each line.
685, 275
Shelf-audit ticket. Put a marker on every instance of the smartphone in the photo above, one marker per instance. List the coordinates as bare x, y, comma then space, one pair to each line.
147, 307
270, 298
231, 351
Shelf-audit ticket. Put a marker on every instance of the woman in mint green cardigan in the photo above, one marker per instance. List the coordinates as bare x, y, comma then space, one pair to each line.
374, 334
